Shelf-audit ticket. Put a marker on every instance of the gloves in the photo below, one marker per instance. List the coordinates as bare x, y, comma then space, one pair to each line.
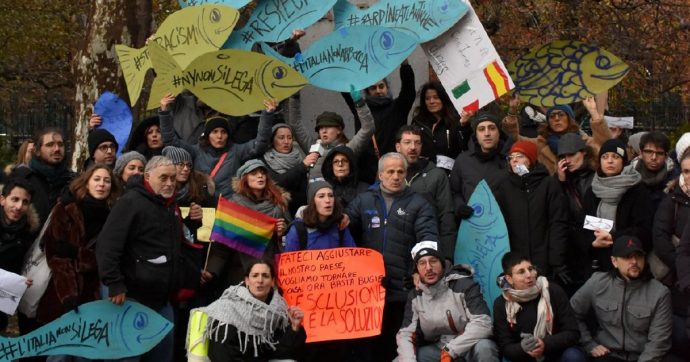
528, 342
355, 94
65, 249
465, 212
71, 304
445, 356
562, 274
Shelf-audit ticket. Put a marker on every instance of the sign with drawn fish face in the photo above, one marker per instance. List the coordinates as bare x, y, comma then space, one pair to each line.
357, 56
274, 21
564, 72
231, 81
422, 19
185, 34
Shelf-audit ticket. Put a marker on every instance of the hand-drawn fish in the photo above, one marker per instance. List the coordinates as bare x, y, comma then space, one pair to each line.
564, 72
483, 240
231, 3
117, 117
99, 330
185, 34
359, 56
423, 20
231, 81
274, 21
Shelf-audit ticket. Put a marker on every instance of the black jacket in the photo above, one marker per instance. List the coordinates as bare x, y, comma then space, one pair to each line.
347, 189
295, 181
46, 192
534, 209
16, 238
443, 140
565, 329
141, 228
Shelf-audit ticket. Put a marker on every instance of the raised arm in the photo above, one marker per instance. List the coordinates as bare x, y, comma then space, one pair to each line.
168, 133
361, 138
256, 147
304, 139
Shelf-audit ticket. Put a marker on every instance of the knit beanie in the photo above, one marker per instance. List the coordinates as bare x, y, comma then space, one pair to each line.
634, 141
616, 146
314, 186
125, 158
425, 248
177, 154
249, 166
329, 119
565, 108
98, 136
682, 145
483, 117
527, 148
215, 122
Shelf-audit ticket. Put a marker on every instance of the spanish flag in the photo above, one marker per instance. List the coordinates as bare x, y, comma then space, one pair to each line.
241, 228
497, 78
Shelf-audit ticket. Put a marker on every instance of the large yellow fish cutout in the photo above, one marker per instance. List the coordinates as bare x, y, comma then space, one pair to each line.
231, 81
564, 72
185, 34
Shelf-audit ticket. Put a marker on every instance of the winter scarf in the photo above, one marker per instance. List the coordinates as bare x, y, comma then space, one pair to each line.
263, 206
514, 297
651, 178
95, 212
255, 320
182, 192
282, 162
53, 174
610, 190
553, 143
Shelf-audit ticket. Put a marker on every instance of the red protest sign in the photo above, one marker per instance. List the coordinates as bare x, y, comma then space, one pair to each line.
339, 290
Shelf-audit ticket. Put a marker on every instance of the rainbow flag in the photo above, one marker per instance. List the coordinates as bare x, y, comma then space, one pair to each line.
241, 228
497, 78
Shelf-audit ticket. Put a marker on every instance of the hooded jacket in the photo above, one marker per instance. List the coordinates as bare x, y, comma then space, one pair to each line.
345, 190
138, 248
393, 233
452, 311
634, 318
137, 138
16, 238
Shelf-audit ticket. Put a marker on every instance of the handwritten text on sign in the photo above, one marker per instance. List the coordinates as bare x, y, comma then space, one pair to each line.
339, 290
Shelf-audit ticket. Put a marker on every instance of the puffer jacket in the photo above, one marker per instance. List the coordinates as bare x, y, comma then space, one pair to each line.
205, 158
424, 178
393, 233
452, 312
634, 318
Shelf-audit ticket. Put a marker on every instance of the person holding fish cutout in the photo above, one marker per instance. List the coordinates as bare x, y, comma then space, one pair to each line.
561, 120
215, 155
616, 194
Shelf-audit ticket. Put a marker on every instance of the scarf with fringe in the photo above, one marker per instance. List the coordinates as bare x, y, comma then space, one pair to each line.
282, 162
514, 297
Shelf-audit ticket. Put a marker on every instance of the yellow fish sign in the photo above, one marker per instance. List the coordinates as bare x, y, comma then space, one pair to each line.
185, 34
231, 81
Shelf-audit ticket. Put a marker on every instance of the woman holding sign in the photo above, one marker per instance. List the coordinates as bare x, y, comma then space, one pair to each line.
252, 321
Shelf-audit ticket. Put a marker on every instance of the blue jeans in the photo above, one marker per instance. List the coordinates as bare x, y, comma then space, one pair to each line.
484, 350
573, 354
163, 351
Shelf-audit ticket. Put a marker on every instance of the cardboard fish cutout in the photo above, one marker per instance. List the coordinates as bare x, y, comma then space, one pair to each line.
483, 240
564, 72
117, 117
274, 21
185, 34
231, 81
421, 19
237, 4
100, 330
357, 56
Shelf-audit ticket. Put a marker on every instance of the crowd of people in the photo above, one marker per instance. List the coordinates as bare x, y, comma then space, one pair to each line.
616, 292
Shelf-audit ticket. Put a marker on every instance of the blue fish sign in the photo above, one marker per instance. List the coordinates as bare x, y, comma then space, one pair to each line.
117, 117
483, 240
421, 19
100, 330
357, 56
274, 21
231, 3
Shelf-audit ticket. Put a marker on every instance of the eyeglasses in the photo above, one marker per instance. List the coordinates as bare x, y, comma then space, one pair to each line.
409, 142
556, 114
341, 162
429, 261
184, 164
650, 153
107, 147
516, 156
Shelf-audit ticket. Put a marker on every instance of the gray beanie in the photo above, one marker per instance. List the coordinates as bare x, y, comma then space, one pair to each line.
314, 186
176, 154
124, 159
277, 126
249, 166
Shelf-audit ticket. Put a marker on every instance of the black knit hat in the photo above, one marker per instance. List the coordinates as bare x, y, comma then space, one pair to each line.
485, 116
98, 136
329, 119
425, 248
616, 146
215, 122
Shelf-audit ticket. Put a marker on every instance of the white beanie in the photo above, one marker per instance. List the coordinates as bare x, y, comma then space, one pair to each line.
682, 145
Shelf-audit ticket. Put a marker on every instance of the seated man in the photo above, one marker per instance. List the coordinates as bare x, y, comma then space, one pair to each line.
446, 317
632, 309
533, 319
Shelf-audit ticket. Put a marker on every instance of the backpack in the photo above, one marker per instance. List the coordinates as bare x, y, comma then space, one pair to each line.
302, 234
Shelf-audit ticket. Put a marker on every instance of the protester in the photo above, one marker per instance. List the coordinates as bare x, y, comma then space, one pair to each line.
390, 218
634, 145
215, 155
446, 318
138, 248
654, 166
341, 171
252, 322
532, 317
632, 310
102, 148
288, 166
24, 154
146, 138
127, 165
